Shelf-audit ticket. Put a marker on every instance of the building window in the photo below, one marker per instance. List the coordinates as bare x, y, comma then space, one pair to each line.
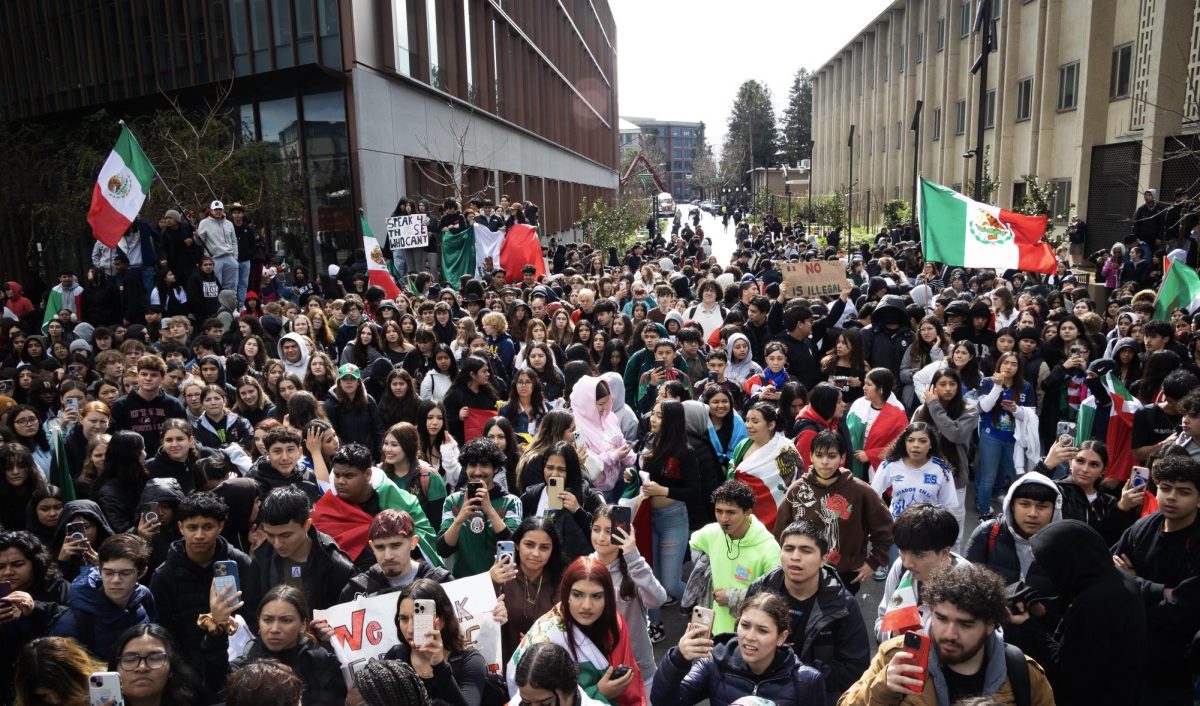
435, 74
1068, 86
989, 110
1062, 200
1122, 63
899, 133
1020, 188
884, 64
920, 47
883, 139
960, 118
937, 123
964, 19
400, 29
940, 31
1024, 98
900, 60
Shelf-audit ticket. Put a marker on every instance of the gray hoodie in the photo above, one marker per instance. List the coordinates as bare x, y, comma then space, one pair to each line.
1024, 550
627, 417
741, 371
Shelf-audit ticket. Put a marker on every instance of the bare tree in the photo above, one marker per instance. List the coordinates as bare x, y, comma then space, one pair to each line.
450, 168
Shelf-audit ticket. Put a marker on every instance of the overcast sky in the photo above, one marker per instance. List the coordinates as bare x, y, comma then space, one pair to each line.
684, 59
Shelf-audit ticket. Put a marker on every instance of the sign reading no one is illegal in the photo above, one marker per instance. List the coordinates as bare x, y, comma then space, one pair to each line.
809, 280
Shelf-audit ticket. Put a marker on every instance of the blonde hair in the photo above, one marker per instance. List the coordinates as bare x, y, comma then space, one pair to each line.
496, 320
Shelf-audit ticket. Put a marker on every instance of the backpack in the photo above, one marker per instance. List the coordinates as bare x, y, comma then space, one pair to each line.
1018, 675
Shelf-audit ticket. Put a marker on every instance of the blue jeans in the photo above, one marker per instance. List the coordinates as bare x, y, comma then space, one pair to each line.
995, 462
243, 280
225, 268
669, 527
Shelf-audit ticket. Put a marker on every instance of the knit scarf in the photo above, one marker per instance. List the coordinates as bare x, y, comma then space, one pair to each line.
779, 379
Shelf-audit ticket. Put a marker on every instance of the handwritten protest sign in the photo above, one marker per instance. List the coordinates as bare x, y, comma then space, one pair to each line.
819, 278
407, 232
366, 627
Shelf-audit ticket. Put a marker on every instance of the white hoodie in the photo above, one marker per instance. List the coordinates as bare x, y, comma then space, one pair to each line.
300, 368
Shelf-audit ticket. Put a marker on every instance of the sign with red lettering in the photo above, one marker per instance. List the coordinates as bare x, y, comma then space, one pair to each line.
366, 627
809, 280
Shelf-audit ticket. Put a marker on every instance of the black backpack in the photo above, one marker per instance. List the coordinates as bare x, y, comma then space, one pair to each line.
1018, 675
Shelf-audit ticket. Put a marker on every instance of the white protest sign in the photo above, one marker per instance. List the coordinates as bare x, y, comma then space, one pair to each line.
407, 232
366, 627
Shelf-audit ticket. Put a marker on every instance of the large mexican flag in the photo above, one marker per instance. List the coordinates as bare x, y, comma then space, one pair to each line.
1180, 288
1117, 426
378, 273
120, 189
958, 231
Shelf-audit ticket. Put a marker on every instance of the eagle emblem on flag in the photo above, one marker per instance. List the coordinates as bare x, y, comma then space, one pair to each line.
989, 230
119, 184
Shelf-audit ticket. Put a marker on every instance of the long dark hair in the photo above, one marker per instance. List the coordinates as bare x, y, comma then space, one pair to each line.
614, 345
427, 589
628, 588
536, 400
399, 409
471, 365
970, 373
541, 523
956, 406
182, 685
123, 462
670, 441
512, 449
574, 479
37, 442
1018, 381
427, 444
899, 450
604, 632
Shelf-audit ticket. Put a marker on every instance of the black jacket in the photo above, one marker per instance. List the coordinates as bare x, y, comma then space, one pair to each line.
316, 666
72, 510
181, 588
146, 417
356, 424
886, 347
181, 257
1101, 514
49, 602
323, 576
302, 478
1104, 624
458, 681
372, 582
1166, 560
101, 300
161, 466
202, 291
835, 641
168, 492
574, 528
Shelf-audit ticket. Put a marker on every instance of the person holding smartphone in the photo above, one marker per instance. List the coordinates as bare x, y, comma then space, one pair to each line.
573, 503
754, 661
475, 518
967, 656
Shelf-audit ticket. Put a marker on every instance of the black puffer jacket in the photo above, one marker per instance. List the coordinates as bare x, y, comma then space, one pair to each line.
356, 424
372, 582
723, 678
883, 346
181, 587
316, 666
324, 575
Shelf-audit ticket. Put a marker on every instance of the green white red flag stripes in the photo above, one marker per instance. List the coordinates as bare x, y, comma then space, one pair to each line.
377, 270
120, 189
902, 611
1180, 288
1118, 428
958, 231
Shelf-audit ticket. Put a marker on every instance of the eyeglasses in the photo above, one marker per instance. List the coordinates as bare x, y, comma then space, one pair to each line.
25, 420
131, 661
117, 573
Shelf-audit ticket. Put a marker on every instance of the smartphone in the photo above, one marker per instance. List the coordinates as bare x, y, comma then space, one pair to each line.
622, 520
225, 576
577, 437
703, 617
104, 687
72, 404
473, 489
1066, 432
620, 671
5, 589
506, 550
7, 387
1140, 475
423, 613
712, 376
77, 530
150, 512
74, 372
660, 365
554, 486
918, 645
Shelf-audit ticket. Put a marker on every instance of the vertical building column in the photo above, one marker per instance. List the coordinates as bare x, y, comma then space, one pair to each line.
1171, 33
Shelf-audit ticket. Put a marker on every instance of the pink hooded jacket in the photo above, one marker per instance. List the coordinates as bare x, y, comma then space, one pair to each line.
601, 431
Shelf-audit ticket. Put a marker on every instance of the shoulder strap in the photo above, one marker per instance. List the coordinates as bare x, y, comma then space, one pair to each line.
993, 533
1018, 675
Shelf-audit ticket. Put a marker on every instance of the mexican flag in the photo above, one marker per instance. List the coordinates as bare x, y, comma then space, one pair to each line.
902, 611
958, 231
458, 255
1180, 288
378, 273
487, 244
1118, 427
522, 246
120, 189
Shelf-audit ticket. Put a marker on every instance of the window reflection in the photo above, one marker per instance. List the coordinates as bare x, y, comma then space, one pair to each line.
328, 178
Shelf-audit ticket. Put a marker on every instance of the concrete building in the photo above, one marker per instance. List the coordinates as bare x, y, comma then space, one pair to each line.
1102, 97
367, 100
676, 139
788, 187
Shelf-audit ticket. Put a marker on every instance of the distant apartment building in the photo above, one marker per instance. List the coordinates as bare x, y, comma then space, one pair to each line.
1101, 97
676, 140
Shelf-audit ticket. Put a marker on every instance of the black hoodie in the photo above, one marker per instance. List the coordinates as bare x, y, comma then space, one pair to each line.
165, 491
323, 575
72, 510
373, 582
1104, 624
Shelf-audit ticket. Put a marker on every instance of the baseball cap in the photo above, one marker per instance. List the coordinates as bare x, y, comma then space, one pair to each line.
215, 205
349, 370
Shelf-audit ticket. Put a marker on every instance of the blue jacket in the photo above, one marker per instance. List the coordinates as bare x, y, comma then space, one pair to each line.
94, 620
723, 678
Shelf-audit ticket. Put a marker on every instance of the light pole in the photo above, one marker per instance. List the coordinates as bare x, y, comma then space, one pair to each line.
850, 194
983, 23
808, 219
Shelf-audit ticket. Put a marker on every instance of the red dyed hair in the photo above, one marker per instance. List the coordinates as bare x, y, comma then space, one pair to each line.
605, 631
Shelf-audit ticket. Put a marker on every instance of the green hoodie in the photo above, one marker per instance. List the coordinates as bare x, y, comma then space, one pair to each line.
735, 563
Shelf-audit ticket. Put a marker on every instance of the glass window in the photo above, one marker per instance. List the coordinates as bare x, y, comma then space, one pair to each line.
259, 33
1122, 63
1062, 200
246, 115
989, 110
400, 31
1020, 188
305, 32
937, 123
279, 126
900, 60
920, 47
282, 26
330, 30
431, 31
1068, 86
964, 19
1024, 98
940, 31
899, 134
327, 167
960, 118
237, 35
472, 97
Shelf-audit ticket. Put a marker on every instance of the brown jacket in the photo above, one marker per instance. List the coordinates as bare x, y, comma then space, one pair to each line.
860, 513
871, 688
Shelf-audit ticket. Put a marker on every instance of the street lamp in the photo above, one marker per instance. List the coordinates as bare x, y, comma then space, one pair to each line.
809, 218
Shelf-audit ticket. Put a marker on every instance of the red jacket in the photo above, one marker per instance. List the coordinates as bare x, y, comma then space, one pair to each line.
810, 430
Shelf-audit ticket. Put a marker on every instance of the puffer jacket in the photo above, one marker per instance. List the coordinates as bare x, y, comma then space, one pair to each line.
95, 621
997, 544
323, 575
373, 582
835, 639
723, 678
316, 666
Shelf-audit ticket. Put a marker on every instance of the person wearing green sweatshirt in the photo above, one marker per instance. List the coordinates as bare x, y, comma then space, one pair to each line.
739, 548
473, 522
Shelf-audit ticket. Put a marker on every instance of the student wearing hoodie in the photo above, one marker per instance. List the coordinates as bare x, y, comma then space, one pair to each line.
294, 353
741, 359
203, 290
1103, 609
72, 553
643, 361
281, 466
739, 549
182, 582
823, 412
16, 302
162, 528
147, 407
827, 631
626, 416
1002, 543
851, 512
108, 599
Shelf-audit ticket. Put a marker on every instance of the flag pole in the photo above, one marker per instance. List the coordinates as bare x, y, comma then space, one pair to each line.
158, 176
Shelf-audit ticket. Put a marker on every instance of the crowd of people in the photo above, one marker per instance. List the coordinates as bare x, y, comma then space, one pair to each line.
629, 435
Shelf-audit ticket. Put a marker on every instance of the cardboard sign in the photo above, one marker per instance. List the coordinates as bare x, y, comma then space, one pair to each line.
407, 232
366, 627
819, 278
